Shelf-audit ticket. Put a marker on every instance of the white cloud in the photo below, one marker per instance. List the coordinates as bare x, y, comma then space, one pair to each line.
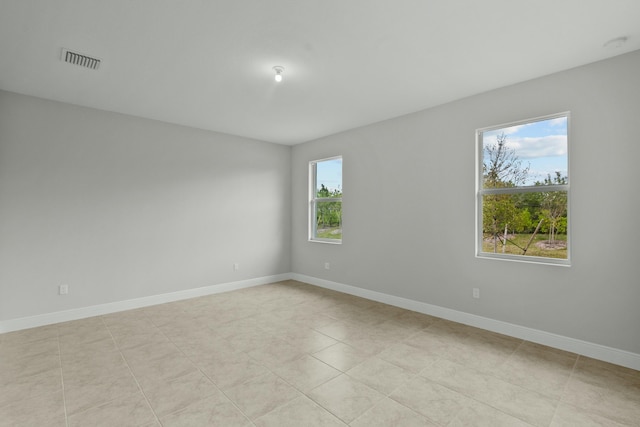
514, 129
535, 147
507, 131
560, 121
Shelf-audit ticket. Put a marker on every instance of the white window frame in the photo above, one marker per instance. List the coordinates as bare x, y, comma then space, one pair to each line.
313, 200
480, 191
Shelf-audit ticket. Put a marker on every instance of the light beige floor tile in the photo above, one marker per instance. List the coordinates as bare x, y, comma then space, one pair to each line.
83, 394
527, 405
135, 339
306, 373
299, 412
408, 357
309, 336
214, 411
607, 375
203, 349
249, 341
341, 356
390, 413
181, 327
307, 340
83, 333
125, 411
492, 340
380, 375
273, 324
239, 327
81, 370
544, 354
483, 351
22, 388
135, 328
538, 368
165, 314
232, 371
434, 344
261, 395
339, 330
17, 350
571, 416
446, 328
172, 395
74, 325
393, 331
238, 311
99, 369
437, 403
162, 368
413, 320
307, 315
30, 335
150, 351
359, 315
28, 366
125, 317
383, 310
44, 410
617, 403
345, 397
481, 359
72, 352
275, 353
370, 344
480, 415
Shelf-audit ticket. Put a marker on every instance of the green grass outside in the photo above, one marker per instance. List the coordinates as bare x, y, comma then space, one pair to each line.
521, 240
330, 233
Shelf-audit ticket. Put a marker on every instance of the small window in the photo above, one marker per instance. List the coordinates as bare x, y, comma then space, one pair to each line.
325, 200
523, 191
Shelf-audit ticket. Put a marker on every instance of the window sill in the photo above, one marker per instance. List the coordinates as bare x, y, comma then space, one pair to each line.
557, 262
330, 242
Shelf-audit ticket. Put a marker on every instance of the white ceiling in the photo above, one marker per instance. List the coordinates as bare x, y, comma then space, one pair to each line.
208, 63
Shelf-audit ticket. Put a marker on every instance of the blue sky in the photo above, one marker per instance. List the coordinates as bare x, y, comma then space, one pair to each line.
329, 173
542, 145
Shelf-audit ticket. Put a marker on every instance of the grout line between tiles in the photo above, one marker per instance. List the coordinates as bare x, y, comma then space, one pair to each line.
64, 399
201, 372
131, 372
564, 389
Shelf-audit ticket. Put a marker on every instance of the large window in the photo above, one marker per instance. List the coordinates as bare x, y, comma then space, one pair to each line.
325, 200
523, 191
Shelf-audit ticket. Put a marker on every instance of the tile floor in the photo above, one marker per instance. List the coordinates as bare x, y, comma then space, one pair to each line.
290, 354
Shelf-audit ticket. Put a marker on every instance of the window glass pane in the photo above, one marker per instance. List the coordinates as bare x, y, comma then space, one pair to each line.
328, 220
530, 224
329, 178
525, 154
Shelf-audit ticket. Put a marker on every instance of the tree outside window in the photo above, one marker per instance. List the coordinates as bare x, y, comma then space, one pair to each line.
523, 190
325, 208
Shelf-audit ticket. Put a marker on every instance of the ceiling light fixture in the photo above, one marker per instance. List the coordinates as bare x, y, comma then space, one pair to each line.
279, 70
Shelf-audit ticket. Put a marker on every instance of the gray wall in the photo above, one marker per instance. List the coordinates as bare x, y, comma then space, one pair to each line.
119, 207
409, 208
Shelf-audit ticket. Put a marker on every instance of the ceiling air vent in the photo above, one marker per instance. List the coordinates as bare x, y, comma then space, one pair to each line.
80, 59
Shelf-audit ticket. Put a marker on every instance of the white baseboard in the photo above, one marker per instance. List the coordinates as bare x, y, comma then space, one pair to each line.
585, 348
114, 307
596, 351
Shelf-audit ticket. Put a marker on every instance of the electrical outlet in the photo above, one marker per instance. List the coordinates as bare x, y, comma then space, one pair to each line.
327, 266
236, 266
476, 292
63, 289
